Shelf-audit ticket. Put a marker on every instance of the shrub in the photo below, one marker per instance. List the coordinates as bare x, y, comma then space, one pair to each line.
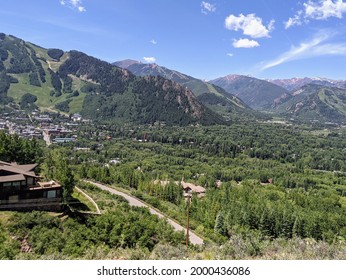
27, 101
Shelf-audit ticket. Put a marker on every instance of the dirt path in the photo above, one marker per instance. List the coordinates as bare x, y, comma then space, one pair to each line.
50, 67
90, 199
194, 239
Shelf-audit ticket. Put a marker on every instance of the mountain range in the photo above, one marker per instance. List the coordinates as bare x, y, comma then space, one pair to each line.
306, 99
256, 93
51, 79
212, 96
130, 91
315, 103
296, 83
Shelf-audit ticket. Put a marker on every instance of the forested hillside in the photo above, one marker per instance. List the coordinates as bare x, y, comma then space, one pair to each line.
319, 103
32, 77
279, 198
257, 94
212, 96
145, 100
270, 189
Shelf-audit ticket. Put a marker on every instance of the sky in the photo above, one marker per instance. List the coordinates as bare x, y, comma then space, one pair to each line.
204, 39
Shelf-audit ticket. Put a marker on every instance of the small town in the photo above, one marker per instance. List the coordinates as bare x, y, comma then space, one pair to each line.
52, 128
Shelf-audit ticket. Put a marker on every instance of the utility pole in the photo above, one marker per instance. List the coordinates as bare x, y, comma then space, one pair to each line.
188, 220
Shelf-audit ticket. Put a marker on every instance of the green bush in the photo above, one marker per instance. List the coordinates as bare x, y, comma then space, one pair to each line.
27, 101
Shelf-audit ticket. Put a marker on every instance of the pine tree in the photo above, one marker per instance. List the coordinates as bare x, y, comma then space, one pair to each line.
65, 177
219, 224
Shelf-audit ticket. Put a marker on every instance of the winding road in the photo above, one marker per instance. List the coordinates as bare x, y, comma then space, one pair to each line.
194, 239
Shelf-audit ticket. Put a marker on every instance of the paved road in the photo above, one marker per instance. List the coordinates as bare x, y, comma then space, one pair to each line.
194, 239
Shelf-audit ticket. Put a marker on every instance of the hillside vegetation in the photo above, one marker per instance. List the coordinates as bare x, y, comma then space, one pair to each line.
212, 96
316, 103
28, 69
273, 190
73, 82
277, 199
257, 94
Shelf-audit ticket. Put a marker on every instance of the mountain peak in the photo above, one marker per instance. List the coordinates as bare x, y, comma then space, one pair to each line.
256, 93
215, 98
296, 83
126, 63
232, 77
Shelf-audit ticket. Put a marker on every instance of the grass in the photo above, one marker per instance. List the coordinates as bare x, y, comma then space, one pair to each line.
41, 52
16, 91
82, 202
104, 199
54, 65
212, 89
76, 104
44, 100
333, 101
5, 216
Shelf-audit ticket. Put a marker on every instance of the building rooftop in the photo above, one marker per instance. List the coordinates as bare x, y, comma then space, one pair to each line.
14, 169
11, 178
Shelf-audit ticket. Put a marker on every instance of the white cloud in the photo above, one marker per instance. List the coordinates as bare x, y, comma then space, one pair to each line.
81, 9
295, 20
313, 48
318, 10
324, 9
207, 7
245, 43
230, 54
74, 4
250, 25
149, 59
154, 42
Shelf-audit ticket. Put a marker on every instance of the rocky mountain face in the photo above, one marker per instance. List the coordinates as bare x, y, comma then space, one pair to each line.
212, 96
152, 69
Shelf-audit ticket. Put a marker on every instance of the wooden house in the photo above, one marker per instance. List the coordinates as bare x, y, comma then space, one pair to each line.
20, 189
190, 188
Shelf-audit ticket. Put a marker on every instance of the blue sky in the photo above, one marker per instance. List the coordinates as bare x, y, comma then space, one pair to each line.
205, 39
